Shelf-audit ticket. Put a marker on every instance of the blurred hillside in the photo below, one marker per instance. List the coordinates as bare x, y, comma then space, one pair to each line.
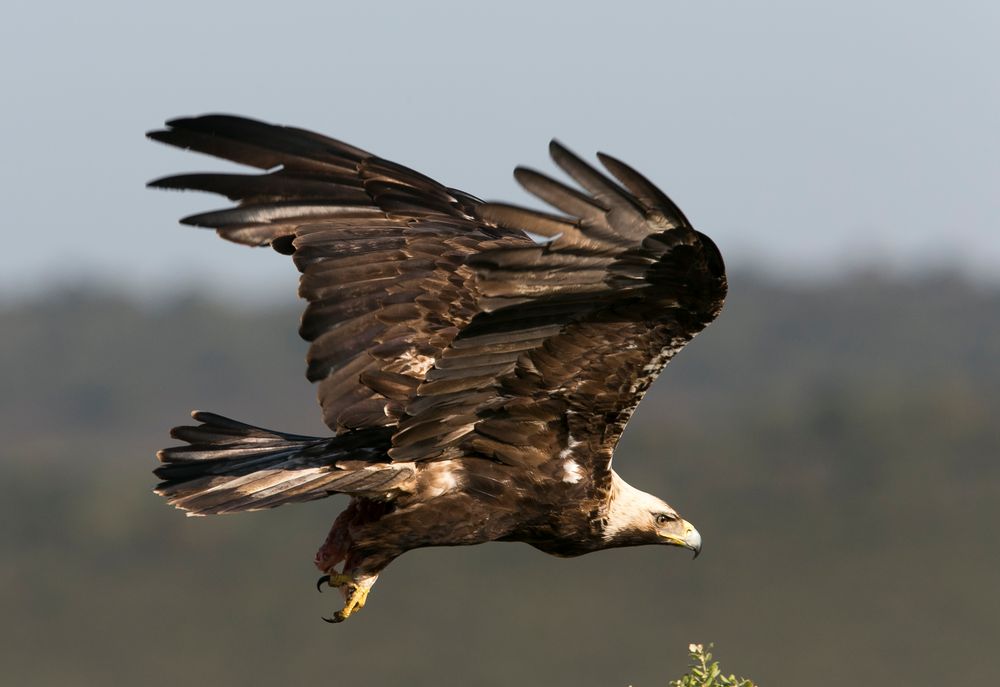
836, 444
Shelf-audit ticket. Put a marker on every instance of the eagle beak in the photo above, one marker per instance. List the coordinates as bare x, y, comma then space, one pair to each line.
692, 538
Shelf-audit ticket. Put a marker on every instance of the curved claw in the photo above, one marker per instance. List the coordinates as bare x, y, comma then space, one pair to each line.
355, 593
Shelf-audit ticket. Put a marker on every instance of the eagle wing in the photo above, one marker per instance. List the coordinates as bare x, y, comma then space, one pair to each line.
572, 331
381, 250
436, 314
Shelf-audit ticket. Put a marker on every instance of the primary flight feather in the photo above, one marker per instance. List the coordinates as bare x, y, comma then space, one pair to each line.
477, 362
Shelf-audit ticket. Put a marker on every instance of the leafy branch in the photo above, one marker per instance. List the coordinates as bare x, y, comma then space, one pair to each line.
706, 673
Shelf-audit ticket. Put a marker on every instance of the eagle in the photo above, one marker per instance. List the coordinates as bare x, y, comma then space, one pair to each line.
476, 362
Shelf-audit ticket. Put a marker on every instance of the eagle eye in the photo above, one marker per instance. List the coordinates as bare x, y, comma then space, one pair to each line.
664, 518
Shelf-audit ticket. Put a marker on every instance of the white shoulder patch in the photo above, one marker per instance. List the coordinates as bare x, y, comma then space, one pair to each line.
570, 446
572, 472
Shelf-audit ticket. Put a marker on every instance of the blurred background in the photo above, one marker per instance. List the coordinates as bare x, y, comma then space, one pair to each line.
834, 435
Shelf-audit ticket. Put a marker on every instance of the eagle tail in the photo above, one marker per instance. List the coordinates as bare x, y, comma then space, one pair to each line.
228, 466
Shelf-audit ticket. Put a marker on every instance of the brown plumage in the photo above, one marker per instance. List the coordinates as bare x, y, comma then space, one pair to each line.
476, 379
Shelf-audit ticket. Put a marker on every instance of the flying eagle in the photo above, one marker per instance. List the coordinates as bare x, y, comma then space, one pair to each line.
477, 362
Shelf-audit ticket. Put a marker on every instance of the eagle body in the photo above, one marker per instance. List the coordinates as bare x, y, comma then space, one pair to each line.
476, 362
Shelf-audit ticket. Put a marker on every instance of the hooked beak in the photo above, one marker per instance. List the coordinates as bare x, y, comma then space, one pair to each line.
691, 539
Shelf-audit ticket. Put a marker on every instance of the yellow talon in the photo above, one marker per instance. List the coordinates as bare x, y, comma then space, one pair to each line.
335, 580
355, 594
355, 603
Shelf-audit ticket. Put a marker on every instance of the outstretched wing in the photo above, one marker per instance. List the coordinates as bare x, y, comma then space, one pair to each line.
573, 331
436, 313
382, 250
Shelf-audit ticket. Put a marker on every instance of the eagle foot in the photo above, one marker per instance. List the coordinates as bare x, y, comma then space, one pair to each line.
355, 594
334, 580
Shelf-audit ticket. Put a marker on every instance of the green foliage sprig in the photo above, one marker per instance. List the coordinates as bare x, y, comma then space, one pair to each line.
706, 673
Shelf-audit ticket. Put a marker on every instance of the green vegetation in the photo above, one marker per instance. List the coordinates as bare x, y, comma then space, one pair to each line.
706, 673
836, 445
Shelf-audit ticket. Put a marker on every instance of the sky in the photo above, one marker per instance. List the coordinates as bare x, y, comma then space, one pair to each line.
807, 138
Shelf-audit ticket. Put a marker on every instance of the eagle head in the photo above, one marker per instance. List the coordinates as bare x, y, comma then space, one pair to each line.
635, 518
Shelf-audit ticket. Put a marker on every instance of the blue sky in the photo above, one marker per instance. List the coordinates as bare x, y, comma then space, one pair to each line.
807, 138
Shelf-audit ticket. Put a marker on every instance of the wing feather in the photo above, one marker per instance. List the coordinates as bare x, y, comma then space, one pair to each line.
582, 323
435, 313
381, 249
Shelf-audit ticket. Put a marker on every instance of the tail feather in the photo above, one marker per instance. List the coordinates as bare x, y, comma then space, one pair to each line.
228, 466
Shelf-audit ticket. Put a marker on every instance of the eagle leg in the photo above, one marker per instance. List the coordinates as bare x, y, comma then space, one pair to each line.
355, 593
